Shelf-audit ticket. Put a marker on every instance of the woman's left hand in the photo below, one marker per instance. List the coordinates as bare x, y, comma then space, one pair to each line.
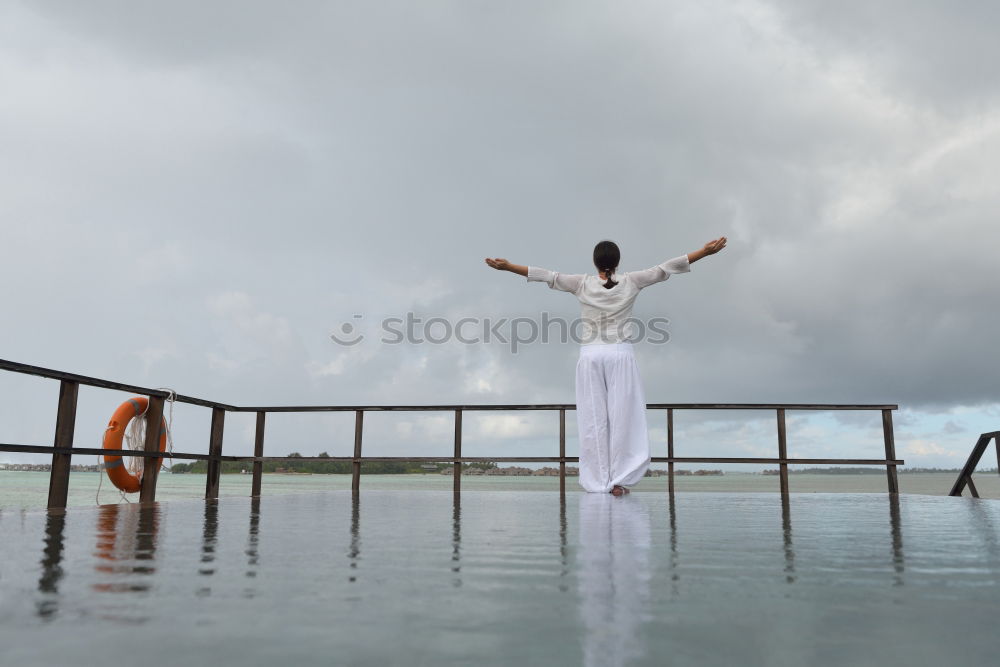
715, 246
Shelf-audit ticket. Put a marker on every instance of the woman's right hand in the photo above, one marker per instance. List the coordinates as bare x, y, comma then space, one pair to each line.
498, 264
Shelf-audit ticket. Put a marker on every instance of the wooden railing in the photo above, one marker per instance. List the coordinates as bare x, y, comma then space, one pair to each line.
63, 449
965, 476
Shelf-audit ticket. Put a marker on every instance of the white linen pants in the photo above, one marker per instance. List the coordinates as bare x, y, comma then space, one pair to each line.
610, 417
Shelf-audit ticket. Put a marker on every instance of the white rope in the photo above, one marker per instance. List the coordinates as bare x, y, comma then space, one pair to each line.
172, 398
135, 439
97, 496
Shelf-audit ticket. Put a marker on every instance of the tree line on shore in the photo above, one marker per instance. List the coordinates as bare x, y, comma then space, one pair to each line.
867, 470
316, 467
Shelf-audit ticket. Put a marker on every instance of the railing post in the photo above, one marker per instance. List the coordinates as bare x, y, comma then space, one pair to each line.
258, 451
782, 452
215, 450
965, 476
151, 466
359, 423
562, 450
65, 426
457, 470
890, 450
996, 445
670, 449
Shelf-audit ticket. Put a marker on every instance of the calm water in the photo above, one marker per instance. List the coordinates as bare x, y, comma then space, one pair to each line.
30, 489
501, 578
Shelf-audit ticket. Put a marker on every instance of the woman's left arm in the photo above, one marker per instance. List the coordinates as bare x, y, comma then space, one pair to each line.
682, 264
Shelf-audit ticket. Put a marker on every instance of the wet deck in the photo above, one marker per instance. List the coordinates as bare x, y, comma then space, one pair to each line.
493, 578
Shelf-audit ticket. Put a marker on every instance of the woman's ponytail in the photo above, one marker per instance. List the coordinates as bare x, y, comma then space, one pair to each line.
610, 283
606, 258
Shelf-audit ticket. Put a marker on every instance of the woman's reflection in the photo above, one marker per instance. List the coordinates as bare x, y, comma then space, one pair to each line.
614, 576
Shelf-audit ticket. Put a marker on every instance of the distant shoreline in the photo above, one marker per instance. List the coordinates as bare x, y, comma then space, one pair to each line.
872, 470
868, 470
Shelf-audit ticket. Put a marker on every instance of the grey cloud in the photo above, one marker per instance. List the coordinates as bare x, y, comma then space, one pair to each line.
934, 53
325, 159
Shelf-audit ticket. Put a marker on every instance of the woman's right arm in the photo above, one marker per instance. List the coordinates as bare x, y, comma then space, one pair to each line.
560, 281
504, 265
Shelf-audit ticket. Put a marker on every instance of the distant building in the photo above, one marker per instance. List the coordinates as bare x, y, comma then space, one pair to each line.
45, 467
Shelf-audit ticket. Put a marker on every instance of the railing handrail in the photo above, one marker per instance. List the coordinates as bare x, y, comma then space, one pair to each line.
479, 407
187, 456
63, 449
28, 369
39, 371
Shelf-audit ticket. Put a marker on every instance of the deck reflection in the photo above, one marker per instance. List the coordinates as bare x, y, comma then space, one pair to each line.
612, 561
252, 550
52, 571
126, 545
786, 539
500, 578
354, 550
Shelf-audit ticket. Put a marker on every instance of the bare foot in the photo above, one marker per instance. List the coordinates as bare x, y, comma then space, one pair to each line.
618, 491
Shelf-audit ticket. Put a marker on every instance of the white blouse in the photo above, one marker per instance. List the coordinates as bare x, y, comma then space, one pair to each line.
606, 312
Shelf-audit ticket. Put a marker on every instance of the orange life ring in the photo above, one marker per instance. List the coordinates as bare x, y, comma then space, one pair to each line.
113, 436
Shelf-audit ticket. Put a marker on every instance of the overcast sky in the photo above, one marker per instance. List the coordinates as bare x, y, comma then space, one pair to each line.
196, 195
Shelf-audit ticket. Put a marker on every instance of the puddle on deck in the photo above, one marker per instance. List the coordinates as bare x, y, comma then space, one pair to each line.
403, 577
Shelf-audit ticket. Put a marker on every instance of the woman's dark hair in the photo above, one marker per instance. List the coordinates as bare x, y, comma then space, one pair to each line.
606, 258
